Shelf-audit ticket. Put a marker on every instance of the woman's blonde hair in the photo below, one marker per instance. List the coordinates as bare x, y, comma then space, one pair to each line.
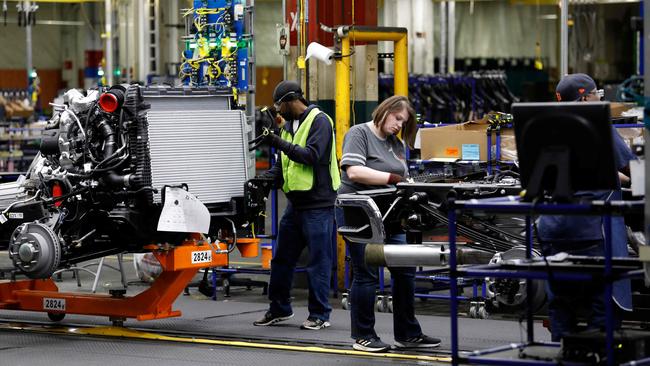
396, 104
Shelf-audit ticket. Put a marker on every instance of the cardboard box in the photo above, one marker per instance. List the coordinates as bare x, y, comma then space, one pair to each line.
630, 135
617, 109
464, 141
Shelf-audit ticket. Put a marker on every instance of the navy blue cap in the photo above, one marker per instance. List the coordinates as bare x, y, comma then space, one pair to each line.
574, 86
286, 91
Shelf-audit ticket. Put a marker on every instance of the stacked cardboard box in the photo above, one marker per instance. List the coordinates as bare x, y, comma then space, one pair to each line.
464, 141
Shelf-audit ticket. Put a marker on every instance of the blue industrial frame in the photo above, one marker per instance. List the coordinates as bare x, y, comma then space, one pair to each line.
506, 205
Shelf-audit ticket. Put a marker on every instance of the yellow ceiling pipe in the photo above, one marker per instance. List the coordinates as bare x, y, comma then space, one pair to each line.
365, 34
61, 1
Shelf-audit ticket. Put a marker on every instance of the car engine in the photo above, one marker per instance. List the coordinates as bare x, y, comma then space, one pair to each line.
97, 185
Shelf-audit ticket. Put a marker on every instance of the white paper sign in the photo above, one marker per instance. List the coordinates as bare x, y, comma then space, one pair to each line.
53, 304
183, 213
282, 39
637, 170
202, 256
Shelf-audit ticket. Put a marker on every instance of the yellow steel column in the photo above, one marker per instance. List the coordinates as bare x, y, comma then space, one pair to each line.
342, 110
401, 67
342, 98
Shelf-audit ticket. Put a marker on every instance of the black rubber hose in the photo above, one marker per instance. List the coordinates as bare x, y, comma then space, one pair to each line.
108, 135
111, 178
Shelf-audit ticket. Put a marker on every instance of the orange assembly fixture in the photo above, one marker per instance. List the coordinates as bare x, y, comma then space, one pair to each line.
179, 263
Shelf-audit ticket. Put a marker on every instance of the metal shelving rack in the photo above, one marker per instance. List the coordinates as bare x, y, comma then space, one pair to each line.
501, 206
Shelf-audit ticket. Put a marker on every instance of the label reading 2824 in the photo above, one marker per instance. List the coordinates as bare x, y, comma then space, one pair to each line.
53, 304
204, 256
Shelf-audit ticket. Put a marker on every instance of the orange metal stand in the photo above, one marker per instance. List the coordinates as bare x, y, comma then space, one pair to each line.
179, 263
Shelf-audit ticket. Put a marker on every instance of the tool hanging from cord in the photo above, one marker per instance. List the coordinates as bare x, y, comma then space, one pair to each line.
31, 15
4, 11
21, 14
26, 13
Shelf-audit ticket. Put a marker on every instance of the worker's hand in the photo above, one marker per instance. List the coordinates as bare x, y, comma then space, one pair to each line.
266, 175
278, 143
263, 138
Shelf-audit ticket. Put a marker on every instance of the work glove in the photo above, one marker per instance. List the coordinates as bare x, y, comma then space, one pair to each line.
278, 143
265, 125
395, 178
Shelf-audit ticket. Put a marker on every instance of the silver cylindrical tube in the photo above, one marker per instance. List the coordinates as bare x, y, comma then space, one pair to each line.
406, 255
421, 255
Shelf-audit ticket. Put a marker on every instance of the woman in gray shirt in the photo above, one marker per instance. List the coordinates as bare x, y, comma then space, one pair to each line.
374, 157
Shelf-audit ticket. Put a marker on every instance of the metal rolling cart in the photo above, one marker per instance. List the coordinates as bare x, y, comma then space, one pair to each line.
530, 270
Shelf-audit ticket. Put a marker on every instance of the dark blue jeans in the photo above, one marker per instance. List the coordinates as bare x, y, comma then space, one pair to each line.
571, 300
299, 229
364, 285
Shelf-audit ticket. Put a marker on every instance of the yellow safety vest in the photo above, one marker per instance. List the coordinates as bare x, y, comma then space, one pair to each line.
300, 177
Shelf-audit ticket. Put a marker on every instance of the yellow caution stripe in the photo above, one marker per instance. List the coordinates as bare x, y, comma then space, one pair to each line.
120, 332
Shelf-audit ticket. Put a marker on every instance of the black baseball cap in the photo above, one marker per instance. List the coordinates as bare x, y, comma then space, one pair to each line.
574, 86
286, 91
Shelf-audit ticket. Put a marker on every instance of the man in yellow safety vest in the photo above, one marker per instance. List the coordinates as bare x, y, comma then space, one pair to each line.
308, 173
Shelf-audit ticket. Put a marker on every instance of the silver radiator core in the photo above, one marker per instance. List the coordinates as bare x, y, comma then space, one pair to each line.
194, 140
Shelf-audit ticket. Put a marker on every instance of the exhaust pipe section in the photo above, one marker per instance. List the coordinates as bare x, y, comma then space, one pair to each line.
406, 255
411, 255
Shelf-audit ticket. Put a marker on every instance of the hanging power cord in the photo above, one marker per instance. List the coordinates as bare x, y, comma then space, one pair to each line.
31, 15
300, 62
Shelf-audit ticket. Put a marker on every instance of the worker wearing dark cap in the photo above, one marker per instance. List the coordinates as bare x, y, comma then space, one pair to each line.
583, 235
577, 87
308, 173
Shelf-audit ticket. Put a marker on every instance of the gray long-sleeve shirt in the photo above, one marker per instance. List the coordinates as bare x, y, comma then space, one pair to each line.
361, 147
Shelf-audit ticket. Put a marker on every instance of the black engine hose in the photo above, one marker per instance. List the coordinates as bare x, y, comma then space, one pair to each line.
111, 177
108, 135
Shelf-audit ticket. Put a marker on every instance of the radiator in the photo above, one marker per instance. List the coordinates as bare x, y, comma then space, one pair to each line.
196, 140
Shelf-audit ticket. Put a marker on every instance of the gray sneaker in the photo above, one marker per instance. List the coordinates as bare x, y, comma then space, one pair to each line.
315, 324
370, 345
270, 319
421, 341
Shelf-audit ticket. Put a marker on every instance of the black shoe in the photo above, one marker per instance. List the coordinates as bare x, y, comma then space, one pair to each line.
421, 341
270, 319
315, 324
371, 345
